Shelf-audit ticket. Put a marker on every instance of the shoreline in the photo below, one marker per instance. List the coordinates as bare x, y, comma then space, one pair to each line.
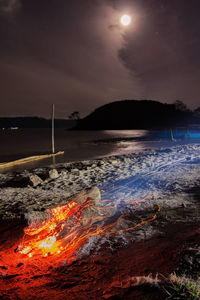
96, 145
126, 183
130, 176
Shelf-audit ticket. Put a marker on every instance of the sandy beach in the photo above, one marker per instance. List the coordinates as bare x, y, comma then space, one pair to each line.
154, 193
169, 173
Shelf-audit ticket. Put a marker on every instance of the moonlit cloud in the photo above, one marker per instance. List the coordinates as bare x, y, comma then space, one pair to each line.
77, 55
74, 64
164, 53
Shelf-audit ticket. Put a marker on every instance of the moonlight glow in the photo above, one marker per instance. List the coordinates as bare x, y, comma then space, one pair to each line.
125, 20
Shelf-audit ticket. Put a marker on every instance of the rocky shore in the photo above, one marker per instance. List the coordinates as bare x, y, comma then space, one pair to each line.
172, 174
131, 188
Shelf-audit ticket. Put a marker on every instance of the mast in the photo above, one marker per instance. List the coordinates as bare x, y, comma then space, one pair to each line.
52, 129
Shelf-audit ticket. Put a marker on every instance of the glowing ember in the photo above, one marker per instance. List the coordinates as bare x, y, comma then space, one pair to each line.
48, 243
26, 250
67, 229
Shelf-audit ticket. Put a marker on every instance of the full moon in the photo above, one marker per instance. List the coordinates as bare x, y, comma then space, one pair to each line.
125, 20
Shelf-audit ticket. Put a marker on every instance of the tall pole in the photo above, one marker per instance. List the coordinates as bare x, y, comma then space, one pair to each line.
52, 132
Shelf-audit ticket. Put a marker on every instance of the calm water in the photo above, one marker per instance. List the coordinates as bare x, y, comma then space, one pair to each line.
78, 145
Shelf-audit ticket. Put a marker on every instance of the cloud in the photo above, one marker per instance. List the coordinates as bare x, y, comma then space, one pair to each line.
71, 59
9, 6
164, 51
75, 54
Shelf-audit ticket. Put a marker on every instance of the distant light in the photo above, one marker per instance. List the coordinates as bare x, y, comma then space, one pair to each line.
125, 20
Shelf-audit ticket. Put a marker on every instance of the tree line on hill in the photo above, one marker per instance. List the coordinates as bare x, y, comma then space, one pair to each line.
124, 114
139, 114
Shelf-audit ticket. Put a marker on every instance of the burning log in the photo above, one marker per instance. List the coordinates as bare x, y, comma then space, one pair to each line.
58, 234
65, 228
68, 228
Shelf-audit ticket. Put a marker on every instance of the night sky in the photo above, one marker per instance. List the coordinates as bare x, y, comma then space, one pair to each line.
76, 54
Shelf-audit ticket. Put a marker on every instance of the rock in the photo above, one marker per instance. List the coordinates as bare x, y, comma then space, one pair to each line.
100, 163
75, 172
188, 259
63, 173
176, 186
53, 174
114, 162
35, 180
72, 177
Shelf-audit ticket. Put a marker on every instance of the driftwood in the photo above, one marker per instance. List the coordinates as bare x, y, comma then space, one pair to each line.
28, 159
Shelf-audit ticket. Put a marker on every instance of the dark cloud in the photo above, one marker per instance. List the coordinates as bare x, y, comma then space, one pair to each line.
76, 54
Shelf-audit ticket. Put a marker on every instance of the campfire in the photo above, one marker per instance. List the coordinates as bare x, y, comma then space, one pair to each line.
40, 254
68, 228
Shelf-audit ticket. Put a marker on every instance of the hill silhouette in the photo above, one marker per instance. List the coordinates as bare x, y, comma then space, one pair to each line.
136, 114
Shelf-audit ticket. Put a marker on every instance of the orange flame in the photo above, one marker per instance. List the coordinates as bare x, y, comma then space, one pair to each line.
67, 230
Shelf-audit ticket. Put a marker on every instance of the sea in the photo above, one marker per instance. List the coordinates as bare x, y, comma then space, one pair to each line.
77, 145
